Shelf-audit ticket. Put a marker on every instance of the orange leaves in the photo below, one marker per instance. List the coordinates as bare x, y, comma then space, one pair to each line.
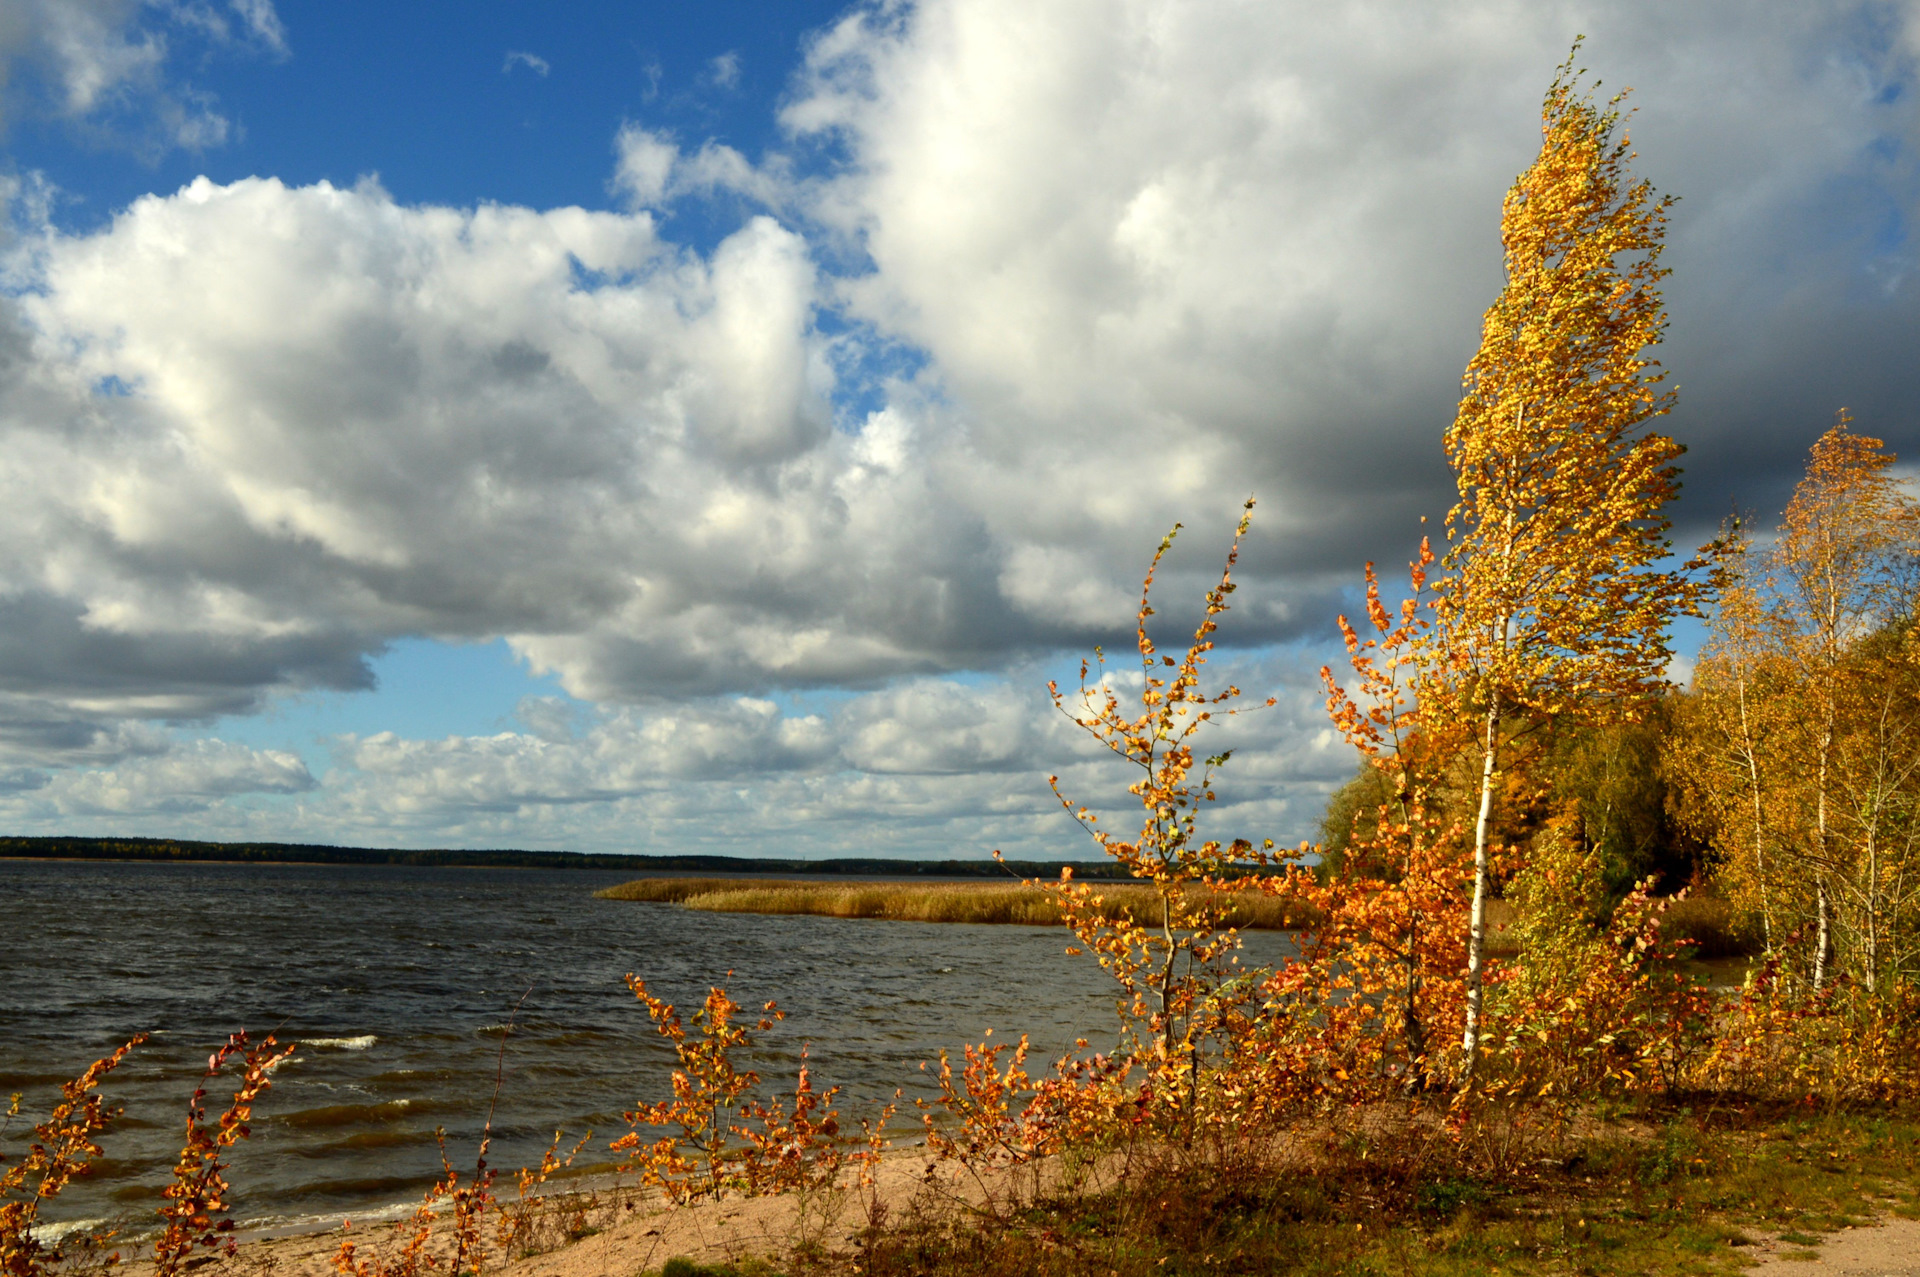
470, 1202
196, 1209
1592, 1005
719, 1137
1159, 739
1178, 991
63, 1149
1799, 754
1390, 668
1551, 603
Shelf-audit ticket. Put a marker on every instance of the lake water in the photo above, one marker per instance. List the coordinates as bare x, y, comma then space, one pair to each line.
398, 982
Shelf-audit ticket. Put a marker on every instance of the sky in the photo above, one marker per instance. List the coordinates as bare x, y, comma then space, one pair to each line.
706, 427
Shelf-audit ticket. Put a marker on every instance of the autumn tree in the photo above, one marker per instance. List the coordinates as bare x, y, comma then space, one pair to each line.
1167, 964
1395, 865
1727, 754
1842, 566
1551, 603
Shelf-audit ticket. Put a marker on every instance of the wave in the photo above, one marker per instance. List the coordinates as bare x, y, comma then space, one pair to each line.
349, 1114
360, 1043
48, 1234
364, 1141
285, 1225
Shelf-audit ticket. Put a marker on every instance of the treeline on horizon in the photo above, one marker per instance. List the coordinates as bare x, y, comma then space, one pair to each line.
178, 849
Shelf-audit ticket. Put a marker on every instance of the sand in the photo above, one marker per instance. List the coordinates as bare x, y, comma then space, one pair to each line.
1885, 1248
631, 1233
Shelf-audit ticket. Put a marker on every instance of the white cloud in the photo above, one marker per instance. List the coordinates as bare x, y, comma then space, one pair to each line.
927, 767
1161, 253
724, 71
263, 22
106, 65
182, 780
253, 432
531, 61
1084, 268
650, 171
644, 164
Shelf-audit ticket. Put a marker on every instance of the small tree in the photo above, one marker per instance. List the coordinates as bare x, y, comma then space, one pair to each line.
1165, 963
1550, 603
1399, 865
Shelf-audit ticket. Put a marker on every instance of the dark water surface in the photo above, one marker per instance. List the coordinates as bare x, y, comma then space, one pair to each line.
397, 981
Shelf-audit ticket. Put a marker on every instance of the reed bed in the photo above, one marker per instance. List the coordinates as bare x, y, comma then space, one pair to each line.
992, 903
675, 890
1706, 922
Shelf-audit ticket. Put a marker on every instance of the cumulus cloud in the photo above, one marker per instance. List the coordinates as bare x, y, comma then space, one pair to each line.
650, 171
1252, 243
644, 164
724, 71
106, 65
927, 767
254, 432
183, 779
1029, 284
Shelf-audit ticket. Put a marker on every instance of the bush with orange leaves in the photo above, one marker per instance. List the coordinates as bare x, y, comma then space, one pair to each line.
1782, 1040
63, 1150
1373, 1006
196, 1210
461, 1245
1177, 971
720, 1136
1590, 1006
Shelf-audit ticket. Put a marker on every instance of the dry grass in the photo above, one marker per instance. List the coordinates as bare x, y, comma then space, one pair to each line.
1004, 903
1706, 921
675, 890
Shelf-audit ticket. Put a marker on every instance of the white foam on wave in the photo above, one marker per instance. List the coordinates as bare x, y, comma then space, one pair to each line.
48, 1234
360, 1043
270, 1226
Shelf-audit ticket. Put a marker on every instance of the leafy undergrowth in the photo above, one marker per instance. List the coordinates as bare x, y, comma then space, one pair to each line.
1679, 1192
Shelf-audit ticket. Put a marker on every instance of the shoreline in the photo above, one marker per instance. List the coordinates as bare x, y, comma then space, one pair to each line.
1861, 1215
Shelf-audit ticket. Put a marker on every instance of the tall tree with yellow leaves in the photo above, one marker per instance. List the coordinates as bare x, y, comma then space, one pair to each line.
1550, 603
1842, 567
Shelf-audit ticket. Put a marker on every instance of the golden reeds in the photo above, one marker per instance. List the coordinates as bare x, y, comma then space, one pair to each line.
991, 902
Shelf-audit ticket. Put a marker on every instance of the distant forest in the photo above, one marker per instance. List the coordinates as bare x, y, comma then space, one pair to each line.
66, 848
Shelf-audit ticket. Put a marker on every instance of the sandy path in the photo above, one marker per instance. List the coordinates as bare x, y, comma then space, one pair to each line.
1890, 1248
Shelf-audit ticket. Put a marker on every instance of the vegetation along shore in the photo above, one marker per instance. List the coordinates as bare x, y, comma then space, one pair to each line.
1707, 926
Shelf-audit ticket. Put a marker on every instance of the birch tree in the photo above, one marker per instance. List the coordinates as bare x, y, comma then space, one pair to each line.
1842, 567
1551, 602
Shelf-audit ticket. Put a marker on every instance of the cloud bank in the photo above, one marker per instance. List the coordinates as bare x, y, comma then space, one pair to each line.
1028, 285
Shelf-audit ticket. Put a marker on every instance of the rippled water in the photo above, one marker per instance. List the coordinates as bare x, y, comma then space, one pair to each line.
398, 981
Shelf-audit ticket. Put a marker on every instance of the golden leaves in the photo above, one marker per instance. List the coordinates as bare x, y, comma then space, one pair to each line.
1551, 599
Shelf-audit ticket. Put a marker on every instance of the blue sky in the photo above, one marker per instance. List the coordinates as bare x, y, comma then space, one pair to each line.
432, 98
706, 426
